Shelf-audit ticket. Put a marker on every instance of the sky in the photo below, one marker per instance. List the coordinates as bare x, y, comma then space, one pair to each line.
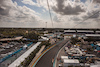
35, 13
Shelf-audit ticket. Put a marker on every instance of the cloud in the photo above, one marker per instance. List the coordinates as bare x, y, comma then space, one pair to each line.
44, 10
4, 9
30, 2
12, 14
67, 9
65, 13
92, 15
96, 1
57, 19
76, 19
77, 0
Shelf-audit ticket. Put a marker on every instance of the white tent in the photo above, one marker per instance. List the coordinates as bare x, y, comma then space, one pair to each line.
18, 61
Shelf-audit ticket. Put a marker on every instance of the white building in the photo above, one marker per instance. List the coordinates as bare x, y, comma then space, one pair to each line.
64, 57
20, 59
70, 62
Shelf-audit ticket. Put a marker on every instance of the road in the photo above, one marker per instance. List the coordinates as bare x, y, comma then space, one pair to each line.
61, 53
46, 60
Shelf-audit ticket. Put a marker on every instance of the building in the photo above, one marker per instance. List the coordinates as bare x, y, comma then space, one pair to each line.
70, 62
95, 37
97, 32
85, 32
64, 57
69, 31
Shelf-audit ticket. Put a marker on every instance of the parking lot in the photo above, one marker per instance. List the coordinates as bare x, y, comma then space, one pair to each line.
6, 51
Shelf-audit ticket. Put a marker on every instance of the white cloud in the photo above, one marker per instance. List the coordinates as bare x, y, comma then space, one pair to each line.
11, 14
43, 10
72, 20
18, 16
30, 2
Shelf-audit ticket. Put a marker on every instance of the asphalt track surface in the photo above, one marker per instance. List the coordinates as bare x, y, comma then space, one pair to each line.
46, 59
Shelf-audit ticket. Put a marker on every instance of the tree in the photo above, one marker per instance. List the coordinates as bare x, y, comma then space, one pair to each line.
32, 35
74, 40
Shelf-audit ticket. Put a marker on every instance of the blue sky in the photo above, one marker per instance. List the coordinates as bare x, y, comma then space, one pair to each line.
34, 13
